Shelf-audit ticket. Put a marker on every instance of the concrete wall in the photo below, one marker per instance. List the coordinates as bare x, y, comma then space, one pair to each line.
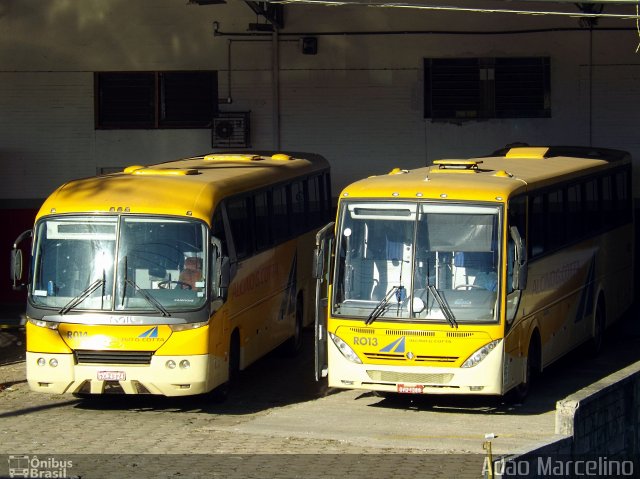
598, 425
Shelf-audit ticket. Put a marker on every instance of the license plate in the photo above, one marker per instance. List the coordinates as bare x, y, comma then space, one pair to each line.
111, 375
419, 389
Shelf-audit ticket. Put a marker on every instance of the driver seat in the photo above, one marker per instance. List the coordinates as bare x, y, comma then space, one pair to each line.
192, 272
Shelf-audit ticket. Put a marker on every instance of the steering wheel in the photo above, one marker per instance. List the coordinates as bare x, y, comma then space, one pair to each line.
178, 285
468, 286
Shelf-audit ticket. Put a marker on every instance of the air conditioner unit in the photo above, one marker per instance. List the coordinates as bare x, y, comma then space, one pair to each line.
231, 130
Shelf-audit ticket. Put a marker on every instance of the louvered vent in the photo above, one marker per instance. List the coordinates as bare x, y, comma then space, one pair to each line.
231, 130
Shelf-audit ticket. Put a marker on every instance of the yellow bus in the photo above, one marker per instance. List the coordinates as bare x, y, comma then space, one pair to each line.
471, 276
169, 279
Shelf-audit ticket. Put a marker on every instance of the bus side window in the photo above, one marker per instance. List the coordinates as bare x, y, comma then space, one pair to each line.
298, 216
217, 230
262, 224
240, 223
279, 214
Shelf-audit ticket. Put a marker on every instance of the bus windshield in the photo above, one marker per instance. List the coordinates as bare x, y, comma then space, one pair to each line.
424, 261
121, 263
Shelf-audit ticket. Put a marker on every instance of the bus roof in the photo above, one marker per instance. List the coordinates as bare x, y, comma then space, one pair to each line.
490, 178
195, 185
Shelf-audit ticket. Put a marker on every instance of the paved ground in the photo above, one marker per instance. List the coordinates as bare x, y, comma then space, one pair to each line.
279, 423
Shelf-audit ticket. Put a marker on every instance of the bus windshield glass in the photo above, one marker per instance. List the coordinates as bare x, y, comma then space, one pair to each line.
121, 263
416, 261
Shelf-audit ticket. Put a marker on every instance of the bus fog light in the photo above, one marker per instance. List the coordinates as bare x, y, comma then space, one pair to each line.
345, 349
185, 364
41, 362
53, 362
480, 354
171, 364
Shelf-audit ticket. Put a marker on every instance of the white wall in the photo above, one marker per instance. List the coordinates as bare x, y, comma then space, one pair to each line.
358, 101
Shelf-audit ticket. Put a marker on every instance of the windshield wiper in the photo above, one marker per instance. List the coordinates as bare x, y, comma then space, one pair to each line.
384, 302
150, 299
444, 307
82, 296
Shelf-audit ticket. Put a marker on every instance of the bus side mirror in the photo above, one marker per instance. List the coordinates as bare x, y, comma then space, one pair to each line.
16, 267
221, 266
520, 266
16, 264
318, 264
323, 240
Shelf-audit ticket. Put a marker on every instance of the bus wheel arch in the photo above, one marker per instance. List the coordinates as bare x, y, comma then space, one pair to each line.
221, 393
532, 368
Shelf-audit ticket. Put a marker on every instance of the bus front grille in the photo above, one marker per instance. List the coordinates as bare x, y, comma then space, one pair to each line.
113, 357
418, 378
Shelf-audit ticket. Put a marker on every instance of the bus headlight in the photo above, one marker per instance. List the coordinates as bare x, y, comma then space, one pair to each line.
186, 326
345, 349
44, 324
480, 354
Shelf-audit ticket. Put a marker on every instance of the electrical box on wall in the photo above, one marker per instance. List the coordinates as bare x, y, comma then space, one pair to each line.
231, 129
309, 45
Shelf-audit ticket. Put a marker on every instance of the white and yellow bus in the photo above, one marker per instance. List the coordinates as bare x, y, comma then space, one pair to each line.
169, 279
471, 276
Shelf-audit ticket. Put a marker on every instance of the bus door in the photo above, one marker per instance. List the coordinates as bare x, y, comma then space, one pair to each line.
321, 271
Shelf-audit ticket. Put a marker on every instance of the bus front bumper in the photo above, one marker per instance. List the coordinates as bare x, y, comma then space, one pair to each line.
483, 379
154, 378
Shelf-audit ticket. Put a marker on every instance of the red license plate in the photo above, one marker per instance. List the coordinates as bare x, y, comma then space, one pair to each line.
112, 375
419, 389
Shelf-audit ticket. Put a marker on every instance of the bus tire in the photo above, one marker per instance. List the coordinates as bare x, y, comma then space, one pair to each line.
599, 323
532, 369
293, 345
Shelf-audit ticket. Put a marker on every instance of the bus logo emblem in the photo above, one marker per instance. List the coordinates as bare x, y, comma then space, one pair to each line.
150, 333
396, 347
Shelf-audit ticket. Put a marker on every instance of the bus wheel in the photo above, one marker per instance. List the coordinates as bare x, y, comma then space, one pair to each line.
597, 340
293, 345
221, 393
532, 369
